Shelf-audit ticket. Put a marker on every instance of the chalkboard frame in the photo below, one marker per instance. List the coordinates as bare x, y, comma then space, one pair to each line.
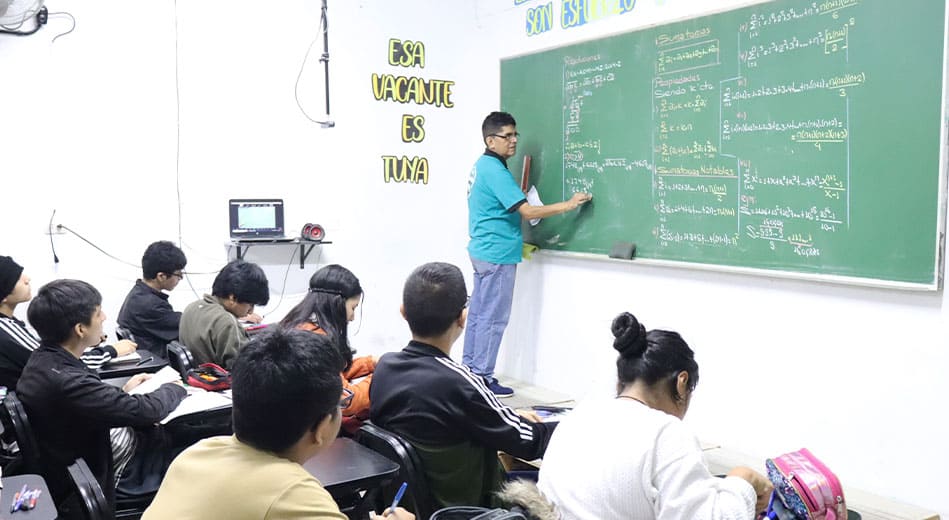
935, 284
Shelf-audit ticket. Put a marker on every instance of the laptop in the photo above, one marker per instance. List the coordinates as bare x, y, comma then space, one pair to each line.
257, 220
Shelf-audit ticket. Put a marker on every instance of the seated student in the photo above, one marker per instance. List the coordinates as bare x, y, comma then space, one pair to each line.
17, 342
70, 408
631, 456
286, 391
447, 413
209, 326
327, 309
146, 312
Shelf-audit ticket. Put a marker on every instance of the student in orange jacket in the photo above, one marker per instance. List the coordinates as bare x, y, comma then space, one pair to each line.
327, 309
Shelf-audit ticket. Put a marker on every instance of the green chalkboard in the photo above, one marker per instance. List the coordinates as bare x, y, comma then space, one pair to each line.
794, 137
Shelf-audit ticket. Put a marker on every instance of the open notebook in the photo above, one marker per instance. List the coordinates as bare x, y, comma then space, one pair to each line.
165, 375
198, 400
132, 357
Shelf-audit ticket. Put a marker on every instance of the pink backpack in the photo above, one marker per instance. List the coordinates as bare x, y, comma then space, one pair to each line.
806, 487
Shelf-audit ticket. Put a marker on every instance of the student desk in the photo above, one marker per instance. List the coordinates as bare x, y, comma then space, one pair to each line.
115, 370
195, 425
346, 468
44, 510
870, 507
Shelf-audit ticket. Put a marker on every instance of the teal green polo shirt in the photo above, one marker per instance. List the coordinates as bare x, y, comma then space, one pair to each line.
494, 224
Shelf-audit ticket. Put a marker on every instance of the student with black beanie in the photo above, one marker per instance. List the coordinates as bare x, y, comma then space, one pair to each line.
16, 342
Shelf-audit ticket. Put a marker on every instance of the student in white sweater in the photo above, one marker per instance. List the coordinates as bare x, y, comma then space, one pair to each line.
631, 457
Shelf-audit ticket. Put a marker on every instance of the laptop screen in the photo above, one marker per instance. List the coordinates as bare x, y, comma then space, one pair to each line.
256, 218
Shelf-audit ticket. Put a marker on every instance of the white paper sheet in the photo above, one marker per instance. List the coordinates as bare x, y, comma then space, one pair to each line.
165, 375
533, 198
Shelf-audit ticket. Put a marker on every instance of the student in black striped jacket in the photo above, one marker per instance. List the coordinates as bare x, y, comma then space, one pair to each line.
17, 342
456, 424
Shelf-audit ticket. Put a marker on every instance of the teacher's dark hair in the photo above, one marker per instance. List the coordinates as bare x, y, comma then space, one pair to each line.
325, 306
495, 122
433, 297
651, 357
284, 382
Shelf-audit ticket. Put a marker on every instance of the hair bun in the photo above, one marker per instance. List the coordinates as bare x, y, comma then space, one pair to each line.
630, 336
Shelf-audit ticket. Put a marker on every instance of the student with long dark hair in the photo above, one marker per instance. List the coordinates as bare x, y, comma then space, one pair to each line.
644, 464
328, 308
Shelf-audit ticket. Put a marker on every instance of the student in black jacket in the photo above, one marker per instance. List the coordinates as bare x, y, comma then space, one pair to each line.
146, 312
444, 410
17, 342
70, 408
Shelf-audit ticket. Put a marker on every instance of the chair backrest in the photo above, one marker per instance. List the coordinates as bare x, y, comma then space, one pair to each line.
92, 500
14, 417
124, 333
180, 358
397, 449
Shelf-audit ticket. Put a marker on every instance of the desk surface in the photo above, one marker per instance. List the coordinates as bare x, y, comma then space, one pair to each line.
114, 370
348, 465
44, 510
870, 507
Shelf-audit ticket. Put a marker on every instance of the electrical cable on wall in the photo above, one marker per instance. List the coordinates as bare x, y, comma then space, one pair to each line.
325, 60
49, 231
61, 227
71, 29
178, 138
286, 274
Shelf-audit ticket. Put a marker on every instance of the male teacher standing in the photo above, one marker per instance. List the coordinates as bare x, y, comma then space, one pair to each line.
496, 205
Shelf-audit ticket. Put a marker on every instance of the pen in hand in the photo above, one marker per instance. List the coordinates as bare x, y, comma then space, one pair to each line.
146, 360
398, 496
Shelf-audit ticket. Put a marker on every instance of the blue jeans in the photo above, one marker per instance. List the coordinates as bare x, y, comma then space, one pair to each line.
488, 313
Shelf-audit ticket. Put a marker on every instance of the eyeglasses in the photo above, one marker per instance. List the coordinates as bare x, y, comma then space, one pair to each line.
507, 136
346, 399
179, 274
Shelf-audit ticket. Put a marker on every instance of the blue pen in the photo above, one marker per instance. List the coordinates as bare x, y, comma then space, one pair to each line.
398, 496
19, 500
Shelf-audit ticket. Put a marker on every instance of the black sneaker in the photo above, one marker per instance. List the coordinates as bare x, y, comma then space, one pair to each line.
498, 389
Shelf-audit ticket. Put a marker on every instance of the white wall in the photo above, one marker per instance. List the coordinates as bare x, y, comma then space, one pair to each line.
89, 128
91, 121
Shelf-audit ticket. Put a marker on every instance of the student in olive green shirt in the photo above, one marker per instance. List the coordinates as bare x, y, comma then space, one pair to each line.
209, 326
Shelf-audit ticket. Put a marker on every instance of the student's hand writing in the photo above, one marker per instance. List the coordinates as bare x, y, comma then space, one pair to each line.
579, 198
399, 514
124, 346
136, 380
530, 416
759, 482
